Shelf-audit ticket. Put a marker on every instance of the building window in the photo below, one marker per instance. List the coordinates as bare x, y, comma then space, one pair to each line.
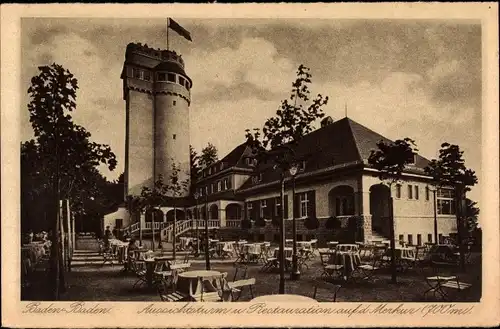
161, 77
147, 75
174, 103
419, 239
219, 186
427, 193
304, 204
410, 239
225, 184
221, 166
210, 171
181, 81
277, 206
137, 73
398, 191
171, 77
429, 238
445, 202
401, 238
411, 159
416, 192
174, 136
263, 206
343, 206
249, 210
206, 190
410, 192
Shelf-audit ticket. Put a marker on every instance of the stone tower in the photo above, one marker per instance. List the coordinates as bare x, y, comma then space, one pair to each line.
156, 90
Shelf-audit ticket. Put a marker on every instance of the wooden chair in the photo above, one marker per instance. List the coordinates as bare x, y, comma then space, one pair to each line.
270, 262
238, 286
240, 268
326, 285
330, 271
139, 268
162, 287
445, 280
369, 269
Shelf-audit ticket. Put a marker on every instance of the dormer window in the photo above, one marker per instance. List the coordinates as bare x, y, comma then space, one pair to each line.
412, 159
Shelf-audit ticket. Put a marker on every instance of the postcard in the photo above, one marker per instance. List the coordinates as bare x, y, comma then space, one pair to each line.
250, 165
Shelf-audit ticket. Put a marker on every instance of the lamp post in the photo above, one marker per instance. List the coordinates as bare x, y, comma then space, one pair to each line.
282, 237
295, 275
207, 256
196, 197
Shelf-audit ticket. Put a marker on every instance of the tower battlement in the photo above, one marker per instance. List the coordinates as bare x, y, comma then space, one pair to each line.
158, 54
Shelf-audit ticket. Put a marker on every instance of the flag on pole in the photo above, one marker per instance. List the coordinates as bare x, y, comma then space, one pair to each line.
179, 29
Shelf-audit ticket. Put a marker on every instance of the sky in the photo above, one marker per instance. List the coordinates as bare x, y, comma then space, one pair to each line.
417, 79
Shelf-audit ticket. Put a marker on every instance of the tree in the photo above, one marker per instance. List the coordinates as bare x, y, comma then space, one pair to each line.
280, 135
194, 165
208, 155
449, 170
390, 160
65, 149
471, 215
177, 188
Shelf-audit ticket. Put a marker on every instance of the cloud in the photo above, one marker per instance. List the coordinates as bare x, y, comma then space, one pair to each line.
255, 61
100, 108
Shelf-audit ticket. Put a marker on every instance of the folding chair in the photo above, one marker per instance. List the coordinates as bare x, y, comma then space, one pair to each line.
329, 270
326, 285
162, 287
440, 283
368, 270
237, 287
139, 268
240, 268
269, 262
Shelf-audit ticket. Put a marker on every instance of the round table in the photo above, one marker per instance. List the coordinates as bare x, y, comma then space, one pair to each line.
288, 252
350, 261
188, 281
283, 298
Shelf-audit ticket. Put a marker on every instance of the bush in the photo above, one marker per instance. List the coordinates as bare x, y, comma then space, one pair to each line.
260, 222
333, 223
311, 223
246, 224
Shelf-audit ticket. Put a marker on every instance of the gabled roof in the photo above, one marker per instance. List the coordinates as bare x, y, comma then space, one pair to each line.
338, 144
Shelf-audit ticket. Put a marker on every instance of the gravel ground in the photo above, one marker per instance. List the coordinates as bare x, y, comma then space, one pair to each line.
108, 283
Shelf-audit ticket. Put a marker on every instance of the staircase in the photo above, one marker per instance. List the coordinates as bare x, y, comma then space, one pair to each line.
86, 258
185, 226
377, 236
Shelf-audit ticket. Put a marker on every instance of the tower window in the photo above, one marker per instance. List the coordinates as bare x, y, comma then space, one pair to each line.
171, 77
174, 102
137, 73
174, 136
161, 77
147, 75
181, 81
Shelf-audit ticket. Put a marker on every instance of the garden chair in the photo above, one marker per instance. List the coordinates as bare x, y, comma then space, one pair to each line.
369, 269
327, 286
109, 256
162, 287
240, 268
270, 262
445, 280
139, 268
237, 287
330, 271
302, 259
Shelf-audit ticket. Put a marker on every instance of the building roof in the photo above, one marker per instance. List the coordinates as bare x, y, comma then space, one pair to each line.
337, 145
